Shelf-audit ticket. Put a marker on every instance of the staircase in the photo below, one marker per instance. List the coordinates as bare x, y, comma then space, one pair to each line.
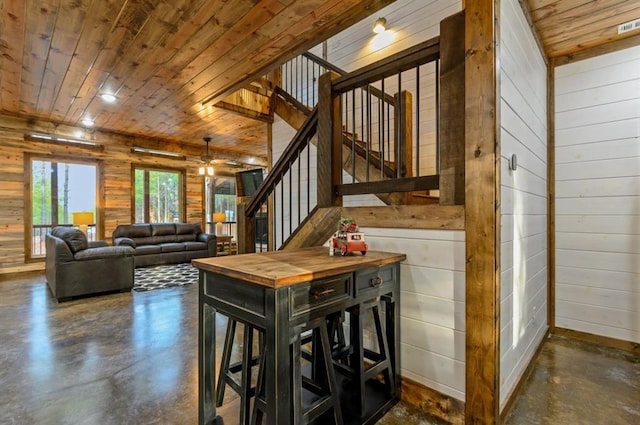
358, 137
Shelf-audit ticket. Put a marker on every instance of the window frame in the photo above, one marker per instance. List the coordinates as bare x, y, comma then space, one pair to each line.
182, 204
28, 204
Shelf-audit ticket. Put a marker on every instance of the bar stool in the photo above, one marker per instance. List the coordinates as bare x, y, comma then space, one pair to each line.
228, 370
366, 364
322, 383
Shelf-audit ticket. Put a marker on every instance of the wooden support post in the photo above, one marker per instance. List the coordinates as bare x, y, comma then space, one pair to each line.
246, 228
482, 214
403, 123
329, 148
451, 132
551, 196
270, 200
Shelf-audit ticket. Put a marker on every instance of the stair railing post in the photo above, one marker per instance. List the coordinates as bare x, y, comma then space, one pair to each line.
452, 110
404, 132
246, 227
329, 148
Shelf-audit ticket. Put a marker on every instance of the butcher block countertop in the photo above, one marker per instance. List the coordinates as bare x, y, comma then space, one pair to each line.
289, 267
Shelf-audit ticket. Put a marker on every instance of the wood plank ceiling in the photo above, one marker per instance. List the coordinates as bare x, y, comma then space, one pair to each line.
166, 61
567, 27
169, 61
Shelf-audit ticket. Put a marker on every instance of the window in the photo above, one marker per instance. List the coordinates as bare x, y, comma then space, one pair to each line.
57, 189
221, 198
158, 196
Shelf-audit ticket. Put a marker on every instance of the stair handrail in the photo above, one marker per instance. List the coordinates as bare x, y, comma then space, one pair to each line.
297, 144
373, 90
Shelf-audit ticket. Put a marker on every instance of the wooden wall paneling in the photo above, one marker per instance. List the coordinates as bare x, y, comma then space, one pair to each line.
36, 51
432, 402
63, 43
409, 216
12, 22
482, 204
114, 186
599, 50
452, 118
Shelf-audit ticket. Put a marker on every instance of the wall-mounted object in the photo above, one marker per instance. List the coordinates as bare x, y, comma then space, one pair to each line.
513, 162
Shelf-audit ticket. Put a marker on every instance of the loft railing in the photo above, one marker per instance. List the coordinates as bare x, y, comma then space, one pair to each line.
386, 143
292, 197
389, 150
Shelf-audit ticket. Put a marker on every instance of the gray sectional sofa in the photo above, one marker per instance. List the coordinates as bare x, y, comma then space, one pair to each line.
165, 243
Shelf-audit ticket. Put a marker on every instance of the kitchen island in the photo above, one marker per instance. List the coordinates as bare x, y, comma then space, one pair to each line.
279, 293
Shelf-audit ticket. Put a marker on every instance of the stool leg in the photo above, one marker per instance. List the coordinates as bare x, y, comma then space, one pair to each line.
245, 377
383, 346
258, 410
356, 359
226, 359
331, 378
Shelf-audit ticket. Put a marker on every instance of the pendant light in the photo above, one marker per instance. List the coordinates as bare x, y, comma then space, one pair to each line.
206, 168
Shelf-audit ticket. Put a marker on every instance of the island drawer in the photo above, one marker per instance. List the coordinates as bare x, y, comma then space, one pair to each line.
320, 294
370, 280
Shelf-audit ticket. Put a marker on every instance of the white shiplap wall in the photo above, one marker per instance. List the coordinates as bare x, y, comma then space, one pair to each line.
432, 299
523, 120
598, 195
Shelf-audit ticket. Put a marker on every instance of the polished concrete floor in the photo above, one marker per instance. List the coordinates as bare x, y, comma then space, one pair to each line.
132, 359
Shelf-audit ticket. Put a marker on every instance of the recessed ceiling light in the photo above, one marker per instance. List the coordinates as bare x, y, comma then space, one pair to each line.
87, 122
108, 97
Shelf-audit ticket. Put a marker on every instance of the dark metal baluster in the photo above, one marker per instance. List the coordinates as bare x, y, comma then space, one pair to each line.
382, 103
290, 200
437, 116
308, 177
353, 136
368, 128
299, 190
417, 120
282, 207
399, 129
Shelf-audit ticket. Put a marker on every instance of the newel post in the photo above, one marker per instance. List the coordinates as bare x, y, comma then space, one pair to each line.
329, 149
246, 227
452, 120
403, 123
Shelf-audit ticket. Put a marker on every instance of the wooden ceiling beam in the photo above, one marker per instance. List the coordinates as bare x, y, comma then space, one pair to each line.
245, 112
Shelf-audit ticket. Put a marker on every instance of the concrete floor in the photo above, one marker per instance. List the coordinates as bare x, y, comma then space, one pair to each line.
132, 359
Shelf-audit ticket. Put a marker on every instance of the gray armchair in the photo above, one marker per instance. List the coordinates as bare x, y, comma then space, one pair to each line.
75, 266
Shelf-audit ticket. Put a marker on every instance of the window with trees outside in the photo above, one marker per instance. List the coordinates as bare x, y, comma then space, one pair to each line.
158, 196
57, 190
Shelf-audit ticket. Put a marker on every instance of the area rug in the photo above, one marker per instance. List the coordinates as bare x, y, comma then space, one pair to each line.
165, 276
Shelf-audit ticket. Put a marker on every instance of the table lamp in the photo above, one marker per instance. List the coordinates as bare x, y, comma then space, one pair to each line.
82, 220
219, 218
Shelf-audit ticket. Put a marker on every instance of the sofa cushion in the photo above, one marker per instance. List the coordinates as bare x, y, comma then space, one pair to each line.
76, 240
125, 241
132, 231
163, 229
164, 239
185, 229
104, 252
147, 249
171, 247
186, 232
195, 246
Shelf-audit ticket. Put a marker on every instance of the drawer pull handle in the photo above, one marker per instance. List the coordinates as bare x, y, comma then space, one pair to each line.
318, 293
376, 281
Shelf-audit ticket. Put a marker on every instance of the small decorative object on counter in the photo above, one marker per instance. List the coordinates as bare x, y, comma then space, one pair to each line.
348, 239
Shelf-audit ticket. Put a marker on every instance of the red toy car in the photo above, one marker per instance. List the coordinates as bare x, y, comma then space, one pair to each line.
346, 242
